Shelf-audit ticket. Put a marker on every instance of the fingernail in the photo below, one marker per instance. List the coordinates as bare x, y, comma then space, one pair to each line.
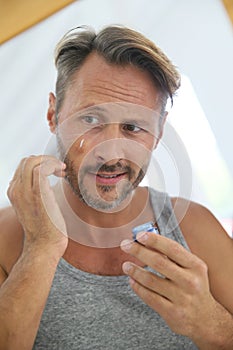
126, 244
142, 237
126, 267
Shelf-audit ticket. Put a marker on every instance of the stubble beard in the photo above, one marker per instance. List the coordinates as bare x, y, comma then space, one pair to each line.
78, 187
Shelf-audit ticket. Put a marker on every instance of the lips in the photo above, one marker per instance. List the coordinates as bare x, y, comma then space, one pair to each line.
109, 178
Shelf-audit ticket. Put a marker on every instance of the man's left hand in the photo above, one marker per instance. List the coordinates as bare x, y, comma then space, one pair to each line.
180, 293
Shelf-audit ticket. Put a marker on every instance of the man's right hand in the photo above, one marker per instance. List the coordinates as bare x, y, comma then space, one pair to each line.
25, 289
35, 204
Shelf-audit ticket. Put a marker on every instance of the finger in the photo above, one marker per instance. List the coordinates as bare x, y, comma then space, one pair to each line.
27, 167
157, 261
46, 168
173, 250
149, 280
16, 180
154, 300
30, 164
51, 166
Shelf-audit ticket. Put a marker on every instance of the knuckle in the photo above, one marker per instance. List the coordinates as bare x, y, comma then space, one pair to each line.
29, 161
25, 163
193, 283
9, 192
12, 194
23, 160
37, 170
32, 159
202, 266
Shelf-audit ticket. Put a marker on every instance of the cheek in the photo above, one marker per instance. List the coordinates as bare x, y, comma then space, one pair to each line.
140, 152
79, 148
76, 156
149, 142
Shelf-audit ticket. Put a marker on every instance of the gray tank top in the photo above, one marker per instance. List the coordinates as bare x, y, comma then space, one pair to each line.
91, 312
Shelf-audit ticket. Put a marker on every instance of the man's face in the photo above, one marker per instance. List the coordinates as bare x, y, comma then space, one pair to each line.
108, 126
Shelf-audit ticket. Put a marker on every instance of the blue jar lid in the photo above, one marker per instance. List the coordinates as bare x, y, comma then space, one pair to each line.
144, 227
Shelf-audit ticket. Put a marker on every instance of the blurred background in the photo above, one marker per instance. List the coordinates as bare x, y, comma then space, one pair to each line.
196, 35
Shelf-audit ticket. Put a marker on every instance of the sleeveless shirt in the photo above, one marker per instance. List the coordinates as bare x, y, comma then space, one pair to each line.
92, 312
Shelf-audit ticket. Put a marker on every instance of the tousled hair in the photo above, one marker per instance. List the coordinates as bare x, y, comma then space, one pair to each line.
118, 45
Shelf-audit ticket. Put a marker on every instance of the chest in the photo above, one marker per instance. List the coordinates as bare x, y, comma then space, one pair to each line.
82, 313
98, 261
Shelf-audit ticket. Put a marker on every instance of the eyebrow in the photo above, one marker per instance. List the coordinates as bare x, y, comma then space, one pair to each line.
140, 122
92, 108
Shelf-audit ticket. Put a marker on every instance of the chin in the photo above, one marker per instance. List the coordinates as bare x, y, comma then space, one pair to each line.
105, 200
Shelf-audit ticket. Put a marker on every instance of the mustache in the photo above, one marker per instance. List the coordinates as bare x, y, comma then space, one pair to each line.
117, 167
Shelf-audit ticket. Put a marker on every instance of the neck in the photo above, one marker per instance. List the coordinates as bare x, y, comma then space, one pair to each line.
100, 229
95, 236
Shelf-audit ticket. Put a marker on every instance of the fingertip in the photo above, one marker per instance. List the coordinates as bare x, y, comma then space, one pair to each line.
127, 267
126, 244
60, 167
60, 173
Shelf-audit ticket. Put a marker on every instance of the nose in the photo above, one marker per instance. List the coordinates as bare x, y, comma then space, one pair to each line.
110, 146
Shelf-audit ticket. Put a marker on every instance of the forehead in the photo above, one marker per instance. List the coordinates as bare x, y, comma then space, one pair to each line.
99, 82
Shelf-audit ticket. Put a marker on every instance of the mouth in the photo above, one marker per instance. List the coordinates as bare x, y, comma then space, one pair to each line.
108, 178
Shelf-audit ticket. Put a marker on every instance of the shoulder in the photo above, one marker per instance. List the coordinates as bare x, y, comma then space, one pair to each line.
197, 222
11, 238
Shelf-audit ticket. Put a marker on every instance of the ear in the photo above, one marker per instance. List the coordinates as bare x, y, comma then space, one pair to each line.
51, 116
162, 122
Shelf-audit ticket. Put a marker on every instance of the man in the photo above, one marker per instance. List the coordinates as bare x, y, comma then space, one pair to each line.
64, 269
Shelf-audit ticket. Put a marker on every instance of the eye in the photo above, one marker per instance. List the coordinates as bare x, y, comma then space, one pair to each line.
132, 128
91, 120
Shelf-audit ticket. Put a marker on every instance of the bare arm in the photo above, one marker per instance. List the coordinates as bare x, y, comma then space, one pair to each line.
24, 291
23, 296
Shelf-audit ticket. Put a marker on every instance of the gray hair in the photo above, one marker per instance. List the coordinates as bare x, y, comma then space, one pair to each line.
117, 45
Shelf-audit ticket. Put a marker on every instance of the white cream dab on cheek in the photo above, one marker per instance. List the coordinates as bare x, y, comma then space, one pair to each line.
81, 143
